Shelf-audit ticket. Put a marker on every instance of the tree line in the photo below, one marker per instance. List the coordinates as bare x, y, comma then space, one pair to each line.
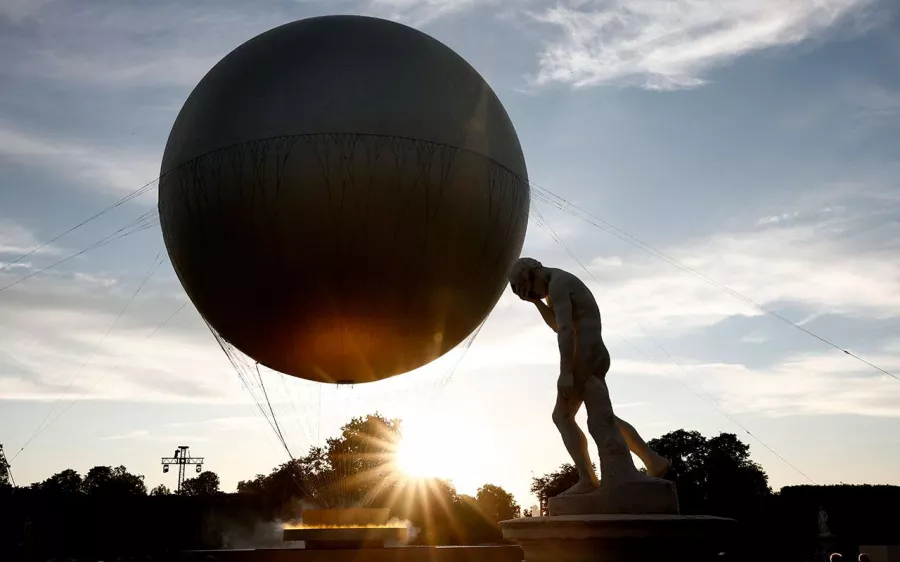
109, 512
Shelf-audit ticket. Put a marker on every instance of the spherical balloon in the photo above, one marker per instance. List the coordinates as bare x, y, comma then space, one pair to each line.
342, 197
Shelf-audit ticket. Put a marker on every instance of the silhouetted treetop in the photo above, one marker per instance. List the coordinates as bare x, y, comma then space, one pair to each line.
113, 482
496, 503
205, 484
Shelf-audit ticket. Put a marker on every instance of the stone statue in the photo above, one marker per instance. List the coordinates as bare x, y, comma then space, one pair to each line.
572, 313
824, 531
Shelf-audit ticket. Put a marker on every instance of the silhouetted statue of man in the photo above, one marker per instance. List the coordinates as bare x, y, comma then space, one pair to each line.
572, 313
824, 531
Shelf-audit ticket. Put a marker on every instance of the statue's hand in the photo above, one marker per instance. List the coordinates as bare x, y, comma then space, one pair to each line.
523, 293
566, 385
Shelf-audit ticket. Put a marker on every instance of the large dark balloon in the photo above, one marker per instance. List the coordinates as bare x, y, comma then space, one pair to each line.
342, 198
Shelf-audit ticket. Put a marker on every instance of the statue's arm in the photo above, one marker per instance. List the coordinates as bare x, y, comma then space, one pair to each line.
565, 330
547, 313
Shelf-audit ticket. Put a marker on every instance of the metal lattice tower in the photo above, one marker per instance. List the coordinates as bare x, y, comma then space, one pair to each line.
182, 458
6, 476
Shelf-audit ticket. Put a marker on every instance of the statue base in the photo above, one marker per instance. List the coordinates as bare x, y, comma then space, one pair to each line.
653, 496
825, 546
621, 538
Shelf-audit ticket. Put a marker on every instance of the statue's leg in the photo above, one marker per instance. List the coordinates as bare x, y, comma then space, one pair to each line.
657, 466
576, 444
616, 464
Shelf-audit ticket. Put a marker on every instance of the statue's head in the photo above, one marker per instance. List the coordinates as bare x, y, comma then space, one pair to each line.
527, 279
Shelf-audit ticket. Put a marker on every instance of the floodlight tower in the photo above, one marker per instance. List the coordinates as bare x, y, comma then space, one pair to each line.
6, 476
182, 458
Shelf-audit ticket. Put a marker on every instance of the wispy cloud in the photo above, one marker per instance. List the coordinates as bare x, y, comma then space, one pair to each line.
775, 219
161, 45
170, 45
52, 328
15, 240
96, 280
671, 45
114, 170
113, 68
251, 423
875, 101
17, 11
807, 384
828, 262
147, 435
130, 435
420, 12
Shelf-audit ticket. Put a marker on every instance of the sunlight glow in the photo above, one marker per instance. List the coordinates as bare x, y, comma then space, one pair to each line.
422, 453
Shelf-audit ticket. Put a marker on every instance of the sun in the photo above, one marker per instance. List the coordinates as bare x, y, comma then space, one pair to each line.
421, 453
443, 445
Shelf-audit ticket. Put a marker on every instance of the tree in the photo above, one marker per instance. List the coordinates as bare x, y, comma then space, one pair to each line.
161, 490
6, 480
354, 468
713, 476
205, 484
279, 491
361, 459
113, 482
687, 451
735, 485
496, 504
67, 482
554, 483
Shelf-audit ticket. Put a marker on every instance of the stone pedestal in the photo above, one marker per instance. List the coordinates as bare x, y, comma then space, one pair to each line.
825, 546
621, 538
650, 496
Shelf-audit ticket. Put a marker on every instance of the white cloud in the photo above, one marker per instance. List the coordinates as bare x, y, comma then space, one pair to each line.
811, 384
16, 240
130, 435
97, 280
755, 337
51, 329
146, 435
671, 45
823, 383
18, 11
831, 263
178, 44
230, 423
775, 219
419, 12
55, 352
663, 45
173, 45
159, 45
114, 170
124, 68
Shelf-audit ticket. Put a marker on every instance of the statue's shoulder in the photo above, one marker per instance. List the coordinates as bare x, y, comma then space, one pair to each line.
564, 279
562, 283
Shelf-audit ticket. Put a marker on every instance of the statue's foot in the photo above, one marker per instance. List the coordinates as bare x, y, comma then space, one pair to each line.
633, 494
658, 466
582, 487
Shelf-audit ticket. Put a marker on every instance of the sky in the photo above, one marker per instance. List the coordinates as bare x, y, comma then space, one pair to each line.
755, 141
